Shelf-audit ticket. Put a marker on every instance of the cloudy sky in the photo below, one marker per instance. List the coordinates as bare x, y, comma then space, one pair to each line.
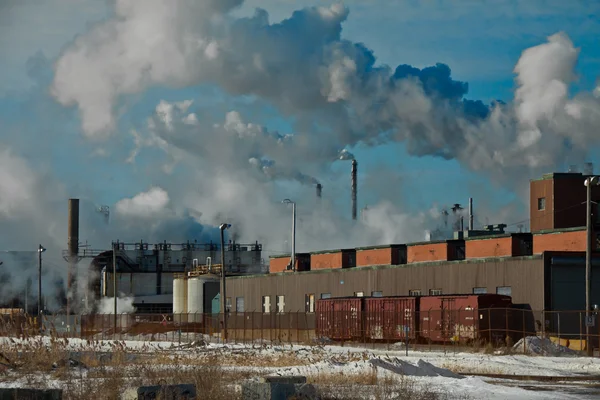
180, 114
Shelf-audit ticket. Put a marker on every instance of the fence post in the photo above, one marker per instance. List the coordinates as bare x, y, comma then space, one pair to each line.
581, 333
429, 327
506, 326
490, 326
558, 323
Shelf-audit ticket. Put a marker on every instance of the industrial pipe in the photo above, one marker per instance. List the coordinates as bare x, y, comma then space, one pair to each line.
223, 285
354, 189
471, 213
293, 258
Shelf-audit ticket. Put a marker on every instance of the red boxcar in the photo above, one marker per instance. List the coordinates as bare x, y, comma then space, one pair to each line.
340, 318
465, 317
390, 318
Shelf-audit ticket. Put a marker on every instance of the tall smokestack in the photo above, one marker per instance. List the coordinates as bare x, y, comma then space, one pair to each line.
73, 243
470, 213
354, 182
319, 189
73, 228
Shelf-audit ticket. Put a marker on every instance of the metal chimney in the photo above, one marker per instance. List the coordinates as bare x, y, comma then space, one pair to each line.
73, 250
319, 189
470, 213
354, 183
73, 228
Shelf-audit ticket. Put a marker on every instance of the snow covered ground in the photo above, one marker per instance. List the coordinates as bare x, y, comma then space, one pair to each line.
444, 372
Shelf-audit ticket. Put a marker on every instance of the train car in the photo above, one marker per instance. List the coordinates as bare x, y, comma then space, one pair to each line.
390, 318
464, 318
340, 318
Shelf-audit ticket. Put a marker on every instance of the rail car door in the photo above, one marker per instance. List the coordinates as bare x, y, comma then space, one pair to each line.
448, 319
389, 319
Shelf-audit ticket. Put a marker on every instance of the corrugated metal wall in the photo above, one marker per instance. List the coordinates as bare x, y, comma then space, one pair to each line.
524, 275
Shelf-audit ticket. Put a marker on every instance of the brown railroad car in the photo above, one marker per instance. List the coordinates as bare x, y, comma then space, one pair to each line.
340, 318
453, 318
390, 318
442, 318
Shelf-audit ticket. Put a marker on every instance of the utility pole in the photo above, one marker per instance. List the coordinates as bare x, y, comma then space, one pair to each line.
41, 249
223, 286
115, 247
588, 258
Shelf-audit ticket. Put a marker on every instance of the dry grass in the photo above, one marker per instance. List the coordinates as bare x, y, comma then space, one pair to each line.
93, 371
89, 373
361, 386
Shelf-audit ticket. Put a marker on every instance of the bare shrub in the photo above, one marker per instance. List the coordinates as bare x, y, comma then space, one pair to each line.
360, 386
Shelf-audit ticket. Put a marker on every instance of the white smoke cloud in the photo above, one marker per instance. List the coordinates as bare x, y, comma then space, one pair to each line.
209, 166
124, 305
306, 69
144, 205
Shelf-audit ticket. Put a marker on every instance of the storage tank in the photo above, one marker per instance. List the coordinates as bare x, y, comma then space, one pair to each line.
180, 291
195, 298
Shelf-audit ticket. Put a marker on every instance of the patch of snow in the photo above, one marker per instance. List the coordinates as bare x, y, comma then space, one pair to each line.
542, 346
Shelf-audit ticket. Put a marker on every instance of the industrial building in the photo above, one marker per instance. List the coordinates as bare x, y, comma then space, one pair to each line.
542, 270
147, 271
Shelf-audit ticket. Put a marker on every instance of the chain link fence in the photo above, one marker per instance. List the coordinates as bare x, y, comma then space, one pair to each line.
420, 330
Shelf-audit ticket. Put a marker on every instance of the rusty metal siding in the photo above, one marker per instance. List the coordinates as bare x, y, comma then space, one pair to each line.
560, 241
388, 255
387, 317
278, 264
326, 261
490, 247
427, 252
524, 275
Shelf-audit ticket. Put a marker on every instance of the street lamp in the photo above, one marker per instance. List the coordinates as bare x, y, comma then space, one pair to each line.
293, 259
223, 287
115, 247
41, 249
589, 182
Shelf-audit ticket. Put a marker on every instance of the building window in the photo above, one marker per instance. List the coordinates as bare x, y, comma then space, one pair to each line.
504, 290
359, 294
416, 292
239, 304
266, 304
309, 301
377, 294
541, 203
280, 304
479, 290
325, 295
435, 292
228, 304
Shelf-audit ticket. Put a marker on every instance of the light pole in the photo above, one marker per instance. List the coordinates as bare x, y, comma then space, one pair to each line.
41, 249
223, 287
293, 258
589, 182
115, 247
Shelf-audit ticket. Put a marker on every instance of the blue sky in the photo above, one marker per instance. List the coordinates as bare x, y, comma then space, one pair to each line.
481, 41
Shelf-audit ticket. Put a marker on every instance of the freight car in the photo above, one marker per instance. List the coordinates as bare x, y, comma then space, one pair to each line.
442, 318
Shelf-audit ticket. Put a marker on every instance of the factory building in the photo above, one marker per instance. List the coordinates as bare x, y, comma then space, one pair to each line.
542, 270
147, 272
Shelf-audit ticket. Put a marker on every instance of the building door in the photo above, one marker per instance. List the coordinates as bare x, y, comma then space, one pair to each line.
216, 304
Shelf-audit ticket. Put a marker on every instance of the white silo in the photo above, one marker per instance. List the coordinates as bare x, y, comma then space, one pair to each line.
180, 291
195, 298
